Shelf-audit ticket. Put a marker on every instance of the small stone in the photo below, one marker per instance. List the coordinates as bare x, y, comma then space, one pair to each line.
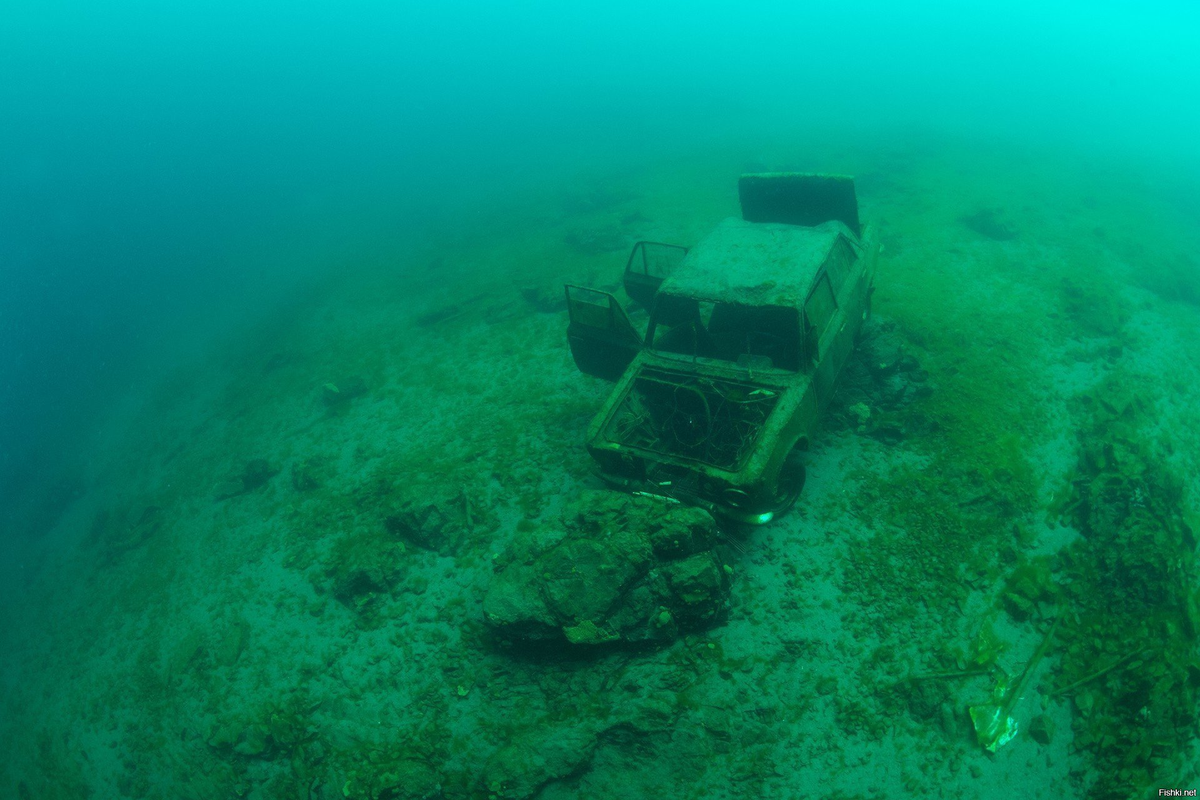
587, 632
253, 743
338, 394
256, 473
1041, 728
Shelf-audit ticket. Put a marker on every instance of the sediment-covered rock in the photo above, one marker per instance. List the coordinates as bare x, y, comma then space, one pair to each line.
617, 568
255, 474
521, 768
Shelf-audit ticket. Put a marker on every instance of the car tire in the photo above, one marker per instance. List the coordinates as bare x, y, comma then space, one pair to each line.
788, 486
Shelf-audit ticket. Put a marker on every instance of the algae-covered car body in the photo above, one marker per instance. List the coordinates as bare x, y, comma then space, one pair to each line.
746, 335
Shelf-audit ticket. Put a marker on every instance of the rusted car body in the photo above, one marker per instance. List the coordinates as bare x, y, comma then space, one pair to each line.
746, 335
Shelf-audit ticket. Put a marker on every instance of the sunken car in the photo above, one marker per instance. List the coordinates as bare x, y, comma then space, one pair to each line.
744, 336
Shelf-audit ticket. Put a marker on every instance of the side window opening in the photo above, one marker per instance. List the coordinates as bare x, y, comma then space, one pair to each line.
659, 260
819, 309
589, 307
837, 266
649, 263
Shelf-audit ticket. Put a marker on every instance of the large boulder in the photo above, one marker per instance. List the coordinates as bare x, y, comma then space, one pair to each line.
616, 568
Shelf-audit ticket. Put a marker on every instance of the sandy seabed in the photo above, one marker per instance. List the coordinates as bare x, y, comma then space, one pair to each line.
225, 612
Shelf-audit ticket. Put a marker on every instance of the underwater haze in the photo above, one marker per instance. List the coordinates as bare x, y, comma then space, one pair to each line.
287, 403
171, 171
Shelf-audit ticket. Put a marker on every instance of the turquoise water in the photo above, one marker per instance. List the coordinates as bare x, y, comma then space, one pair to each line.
286, 395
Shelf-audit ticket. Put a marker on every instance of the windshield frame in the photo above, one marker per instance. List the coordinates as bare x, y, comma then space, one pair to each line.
797, 334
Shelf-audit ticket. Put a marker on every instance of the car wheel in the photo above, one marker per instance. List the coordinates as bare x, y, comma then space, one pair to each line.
790, 484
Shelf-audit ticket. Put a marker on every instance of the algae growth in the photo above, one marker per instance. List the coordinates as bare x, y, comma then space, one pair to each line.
360, 554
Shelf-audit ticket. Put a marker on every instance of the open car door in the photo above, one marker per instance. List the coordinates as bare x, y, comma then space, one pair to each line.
648, 264
603, 340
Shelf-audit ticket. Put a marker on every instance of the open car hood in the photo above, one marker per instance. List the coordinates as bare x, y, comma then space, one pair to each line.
691, 417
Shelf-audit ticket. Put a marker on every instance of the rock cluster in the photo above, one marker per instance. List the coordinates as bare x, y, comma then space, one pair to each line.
617, 568
880, 379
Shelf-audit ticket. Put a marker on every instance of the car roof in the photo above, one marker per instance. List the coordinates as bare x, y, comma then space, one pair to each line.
755, 263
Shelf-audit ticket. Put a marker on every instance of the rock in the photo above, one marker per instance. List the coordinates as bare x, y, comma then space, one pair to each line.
254, 742
514, 605
620, 569
1041, 729
686, 531
642, 615
229, 488
311, 474
337, 394
222, 736
545, 299
276, 361
231, 642
1029, 584
362, 567
884, 365
654, 712
598, 241
255, 474
879, 384
596, 198
392, 778
887, 432
586, 632
524, 767
583, 579
407, 779
991, 223
138, 533
699, 587
1018, 607
428, 525
861, 412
